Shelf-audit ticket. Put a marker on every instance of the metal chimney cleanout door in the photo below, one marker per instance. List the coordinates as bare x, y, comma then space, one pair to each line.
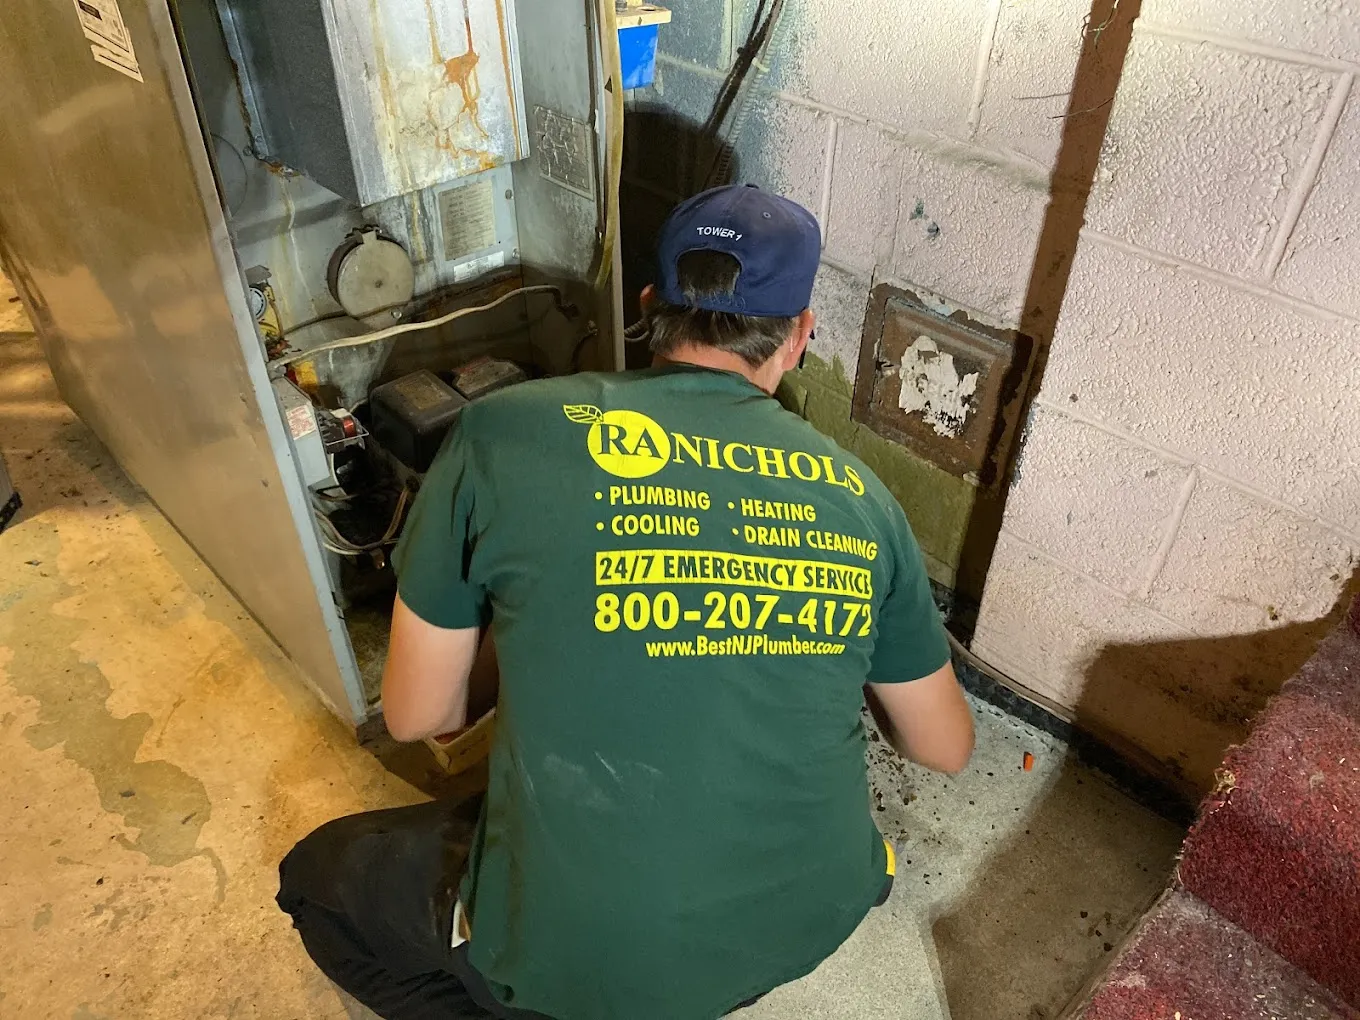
113, 232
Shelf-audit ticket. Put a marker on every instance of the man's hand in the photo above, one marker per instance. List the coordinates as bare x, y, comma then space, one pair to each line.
425, 681
928, 720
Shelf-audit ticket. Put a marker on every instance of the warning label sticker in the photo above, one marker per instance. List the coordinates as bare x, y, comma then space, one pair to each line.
300, 421
110, 43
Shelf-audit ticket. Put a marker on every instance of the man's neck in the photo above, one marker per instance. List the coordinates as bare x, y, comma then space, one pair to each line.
723, 361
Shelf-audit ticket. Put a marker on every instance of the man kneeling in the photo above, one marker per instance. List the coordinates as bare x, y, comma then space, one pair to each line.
689, 588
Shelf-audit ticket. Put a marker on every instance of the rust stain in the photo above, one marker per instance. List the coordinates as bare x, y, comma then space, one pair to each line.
449, 135
436, 51
509, 76
385, 89
462, 72
384, 78
241, 96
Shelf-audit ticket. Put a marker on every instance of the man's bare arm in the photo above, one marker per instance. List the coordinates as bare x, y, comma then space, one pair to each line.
425, 681
928, 720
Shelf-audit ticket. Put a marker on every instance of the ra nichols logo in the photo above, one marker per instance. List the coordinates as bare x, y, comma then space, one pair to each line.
625, 443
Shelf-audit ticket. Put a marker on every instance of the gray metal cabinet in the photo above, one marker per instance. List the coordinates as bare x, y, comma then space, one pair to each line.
133, 200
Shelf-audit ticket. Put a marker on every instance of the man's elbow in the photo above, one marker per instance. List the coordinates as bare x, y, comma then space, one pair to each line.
408, 723
955, 760
404, 728
949, 757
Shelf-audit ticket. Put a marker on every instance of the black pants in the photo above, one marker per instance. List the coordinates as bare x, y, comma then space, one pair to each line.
372, 896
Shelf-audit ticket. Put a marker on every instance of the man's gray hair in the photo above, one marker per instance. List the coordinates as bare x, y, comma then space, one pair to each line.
702, 274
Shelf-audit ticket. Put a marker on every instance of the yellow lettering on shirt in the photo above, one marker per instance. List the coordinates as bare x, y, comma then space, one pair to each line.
682, 566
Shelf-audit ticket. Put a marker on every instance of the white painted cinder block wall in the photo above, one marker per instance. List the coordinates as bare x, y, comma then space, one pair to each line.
923, 135
904, 127
1188, 499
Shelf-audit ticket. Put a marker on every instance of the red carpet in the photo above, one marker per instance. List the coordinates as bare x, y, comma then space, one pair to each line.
1265, 921
1278, 850
1185, 962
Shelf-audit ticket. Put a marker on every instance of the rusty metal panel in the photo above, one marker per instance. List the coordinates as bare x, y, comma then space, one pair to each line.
938, 385
379, 98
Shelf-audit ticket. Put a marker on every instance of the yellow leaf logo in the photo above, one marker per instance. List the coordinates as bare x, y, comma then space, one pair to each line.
583, 414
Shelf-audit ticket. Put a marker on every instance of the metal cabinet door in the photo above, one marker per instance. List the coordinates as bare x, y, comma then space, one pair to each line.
110, 217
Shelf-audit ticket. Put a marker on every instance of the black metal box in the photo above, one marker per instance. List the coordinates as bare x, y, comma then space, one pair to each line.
412, 415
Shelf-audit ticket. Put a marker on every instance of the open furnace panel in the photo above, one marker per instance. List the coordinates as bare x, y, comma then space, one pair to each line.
414, 193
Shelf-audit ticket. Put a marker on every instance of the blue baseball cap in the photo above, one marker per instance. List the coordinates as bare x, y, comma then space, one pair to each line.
777, 242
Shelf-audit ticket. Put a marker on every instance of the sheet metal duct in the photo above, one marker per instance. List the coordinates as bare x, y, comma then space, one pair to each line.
378, 98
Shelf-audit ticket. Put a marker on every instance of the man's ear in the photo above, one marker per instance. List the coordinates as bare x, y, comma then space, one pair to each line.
798, 342
647, 298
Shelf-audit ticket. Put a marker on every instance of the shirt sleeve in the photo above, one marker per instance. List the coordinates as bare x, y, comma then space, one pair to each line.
911, 641
434, 557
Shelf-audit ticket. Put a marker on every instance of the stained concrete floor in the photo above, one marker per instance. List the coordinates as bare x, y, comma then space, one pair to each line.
158, 755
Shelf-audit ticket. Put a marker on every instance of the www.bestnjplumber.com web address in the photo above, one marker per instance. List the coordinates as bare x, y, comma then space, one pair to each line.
742, 644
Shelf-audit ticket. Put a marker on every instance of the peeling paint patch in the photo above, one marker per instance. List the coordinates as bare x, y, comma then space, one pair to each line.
932, 386
43, 917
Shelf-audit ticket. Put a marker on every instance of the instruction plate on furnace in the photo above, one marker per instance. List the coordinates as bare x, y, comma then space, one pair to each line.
467, 218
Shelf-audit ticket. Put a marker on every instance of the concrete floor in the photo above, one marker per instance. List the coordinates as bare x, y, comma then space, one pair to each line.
158, 755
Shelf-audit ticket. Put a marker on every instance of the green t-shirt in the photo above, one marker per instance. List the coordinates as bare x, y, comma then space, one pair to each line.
688, 586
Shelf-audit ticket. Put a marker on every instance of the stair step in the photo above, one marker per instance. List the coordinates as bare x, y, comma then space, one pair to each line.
1186, 962
1277, 848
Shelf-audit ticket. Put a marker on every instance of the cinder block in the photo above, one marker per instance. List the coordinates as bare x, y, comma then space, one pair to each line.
1253, 389
1044, 624
662, 127
1034, 56
909, 65
1203, 147
1122, 671
968, 231
865, 185
784, 148
840, 300
1091, 499
1239, 565
1329, 28
1322, 262
699, 31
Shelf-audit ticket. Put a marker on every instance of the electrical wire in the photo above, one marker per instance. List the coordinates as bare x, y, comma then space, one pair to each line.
337, 550
733, 89
337, 543
411, 327
328, 317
